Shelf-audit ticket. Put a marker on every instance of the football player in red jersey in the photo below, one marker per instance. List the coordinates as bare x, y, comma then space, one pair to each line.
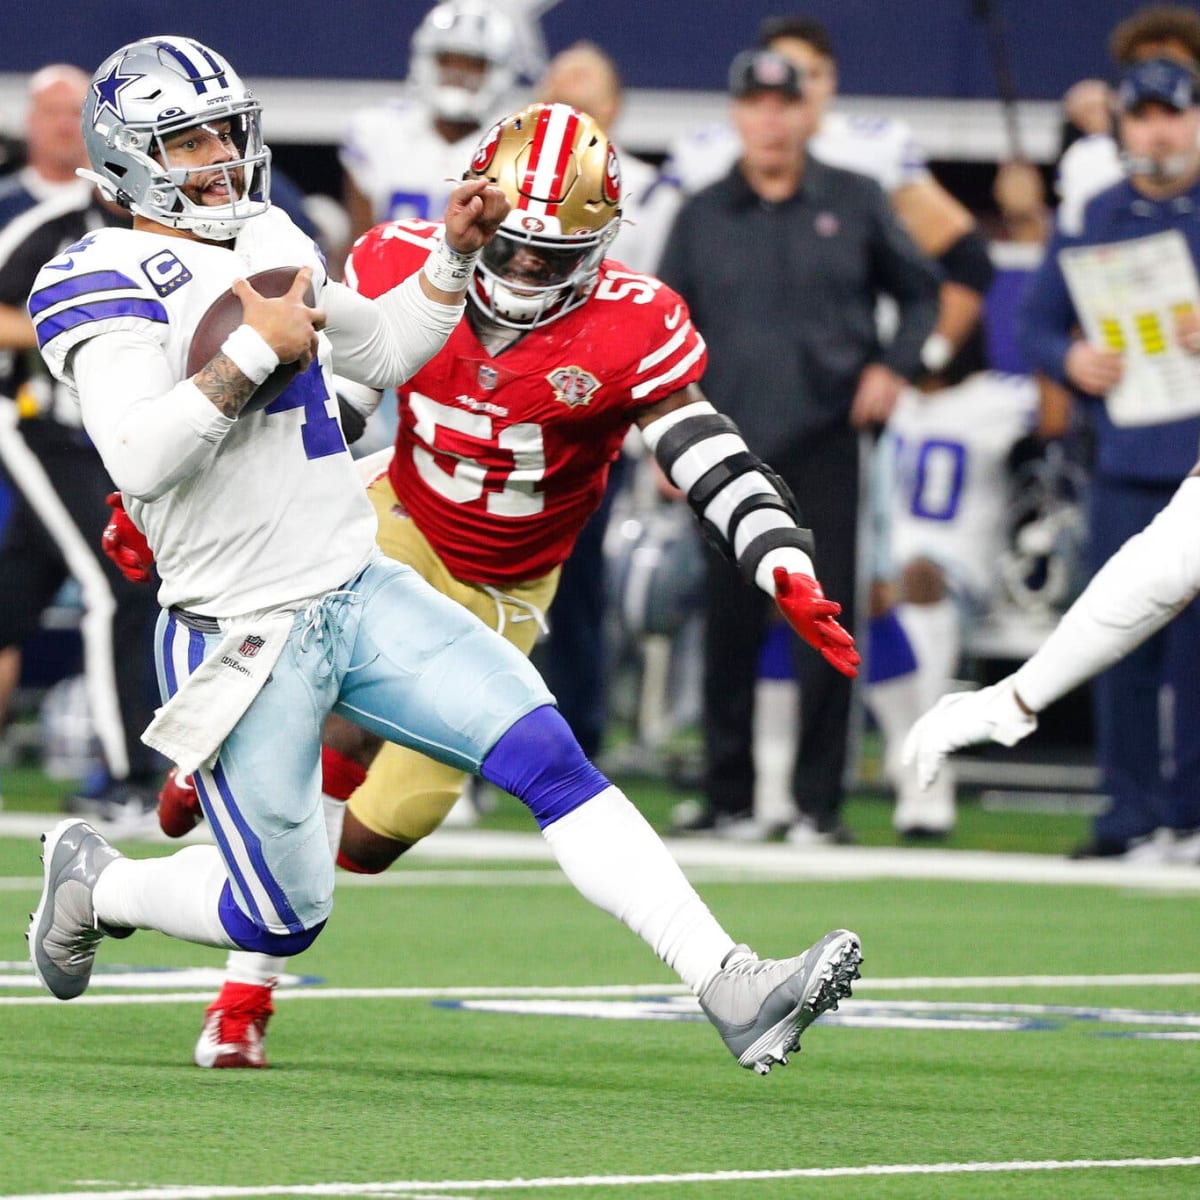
502, 453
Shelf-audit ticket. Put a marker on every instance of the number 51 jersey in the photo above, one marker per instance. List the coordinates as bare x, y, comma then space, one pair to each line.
501, 459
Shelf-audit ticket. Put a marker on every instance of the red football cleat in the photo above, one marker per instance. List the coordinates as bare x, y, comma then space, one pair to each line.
235, 1024
179, 809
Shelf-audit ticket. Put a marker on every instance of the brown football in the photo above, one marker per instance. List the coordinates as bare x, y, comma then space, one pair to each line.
224, 315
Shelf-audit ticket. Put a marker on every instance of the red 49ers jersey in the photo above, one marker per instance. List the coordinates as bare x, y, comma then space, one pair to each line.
500, 461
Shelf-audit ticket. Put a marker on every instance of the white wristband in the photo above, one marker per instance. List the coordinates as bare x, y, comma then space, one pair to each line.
448, 270
249, 352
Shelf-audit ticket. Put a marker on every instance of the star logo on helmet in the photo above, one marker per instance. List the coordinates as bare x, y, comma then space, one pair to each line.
108, 92
573, 385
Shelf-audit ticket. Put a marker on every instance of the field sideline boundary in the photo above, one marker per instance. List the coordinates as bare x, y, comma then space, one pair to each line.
711, 860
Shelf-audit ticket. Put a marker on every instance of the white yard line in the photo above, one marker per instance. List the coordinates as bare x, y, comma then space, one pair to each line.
862, 988
709, 860
406, 1188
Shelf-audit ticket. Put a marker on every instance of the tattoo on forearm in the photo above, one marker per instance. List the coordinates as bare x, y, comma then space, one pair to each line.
222, 381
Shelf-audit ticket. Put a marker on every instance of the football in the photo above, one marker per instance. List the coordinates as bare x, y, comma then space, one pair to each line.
224, 315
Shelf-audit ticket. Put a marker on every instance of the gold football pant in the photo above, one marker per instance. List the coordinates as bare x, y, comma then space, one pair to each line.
406, 795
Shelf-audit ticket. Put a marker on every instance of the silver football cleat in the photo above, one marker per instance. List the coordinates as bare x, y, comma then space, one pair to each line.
63, 931
762, 1006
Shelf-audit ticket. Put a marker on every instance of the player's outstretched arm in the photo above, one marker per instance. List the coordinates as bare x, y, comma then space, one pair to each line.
1146, 583
473, 214
749, 513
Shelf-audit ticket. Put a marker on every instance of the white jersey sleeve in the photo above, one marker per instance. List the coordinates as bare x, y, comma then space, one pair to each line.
1089, 166
701, 157
649, 202
880, 147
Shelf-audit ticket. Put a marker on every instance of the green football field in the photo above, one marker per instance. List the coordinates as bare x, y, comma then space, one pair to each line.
468, 1026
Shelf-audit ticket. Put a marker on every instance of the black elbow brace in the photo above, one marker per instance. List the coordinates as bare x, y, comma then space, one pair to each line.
967, 262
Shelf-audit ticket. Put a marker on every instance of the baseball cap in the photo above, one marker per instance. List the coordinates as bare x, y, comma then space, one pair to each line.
1160, 79
762, 71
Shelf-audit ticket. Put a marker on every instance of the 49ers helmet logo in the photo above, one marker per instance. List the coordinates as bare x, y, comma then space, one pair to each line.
486, 150
612, 177
573, 385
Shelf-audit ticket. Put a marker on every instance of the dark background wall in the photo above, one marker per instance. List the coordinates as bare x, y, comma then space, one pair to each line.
887, 47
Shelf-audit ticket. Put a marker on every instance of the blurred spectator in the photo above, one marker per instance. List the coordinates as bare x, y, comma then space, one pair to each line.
54, 532
1147, 707
401, 159
585, 77
782, 262
878, 146
1093, 163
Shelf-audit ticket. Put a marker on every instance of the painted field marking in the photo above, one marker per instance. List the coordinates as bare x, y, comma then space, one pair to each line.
439, 1187
20, 975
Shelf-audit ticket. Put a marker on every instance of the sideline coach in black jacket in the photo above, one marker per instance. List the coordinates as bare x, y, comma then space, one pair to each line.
782, 263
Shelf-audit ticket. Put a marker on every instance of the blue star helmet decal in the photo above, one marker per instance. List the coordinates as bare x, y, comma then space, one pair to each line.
108, 92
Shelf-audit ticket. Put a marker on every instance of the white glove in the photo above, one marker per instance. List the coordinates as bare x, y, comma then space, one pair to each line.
965, 719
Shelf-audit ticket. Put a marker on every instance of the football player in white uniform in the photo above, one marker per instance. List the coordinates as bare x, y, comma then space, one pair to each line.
942, 477
1149, 581
399, 157
278, 607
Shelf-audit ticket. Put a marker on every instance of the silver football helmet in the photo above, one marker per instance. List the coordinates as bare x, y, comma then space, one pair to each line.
475, 28
155, 88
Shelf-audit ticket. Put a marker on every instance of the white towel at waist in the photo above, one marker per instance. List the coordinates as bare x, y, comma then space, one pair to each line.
190, 728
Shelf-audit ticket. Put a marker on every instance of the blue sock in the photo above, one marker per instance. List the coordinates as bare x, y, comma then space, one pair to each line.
889, 652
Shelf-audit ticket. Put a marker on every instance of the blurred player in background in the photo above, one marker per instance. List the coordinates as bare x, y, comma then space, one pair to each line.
400, 159
503, 450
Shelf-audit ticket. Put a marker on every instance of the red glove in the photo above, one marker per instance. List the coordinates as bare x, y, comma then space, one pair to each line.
124, 543
801, 600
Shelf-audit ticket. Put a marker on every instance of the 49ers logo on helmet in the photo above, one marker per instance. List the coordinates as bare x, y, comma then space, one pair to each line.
533, 224
612, 178
486, 150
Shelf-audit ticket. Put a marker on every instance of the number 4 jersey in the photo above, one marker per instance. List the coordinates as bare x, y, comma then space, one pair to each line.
501, 459
240, 533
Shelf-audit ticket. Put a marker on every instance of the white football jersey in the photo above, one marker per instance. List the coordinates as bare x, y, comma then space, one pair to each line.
401, 164
880, 147
1089, 166
647, 209
278, 513
949, 452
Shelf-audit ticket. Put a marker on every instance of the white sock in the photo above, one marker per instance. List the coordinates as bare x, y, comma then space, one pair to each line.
177, 895
776, 736
608, 851
895, 704
335, 816
933, 631
259, 970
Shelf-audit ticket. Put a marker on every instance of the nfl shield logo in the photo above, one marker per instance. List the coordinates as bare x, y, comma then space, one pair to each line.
488, 378
251, 646
573, 385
